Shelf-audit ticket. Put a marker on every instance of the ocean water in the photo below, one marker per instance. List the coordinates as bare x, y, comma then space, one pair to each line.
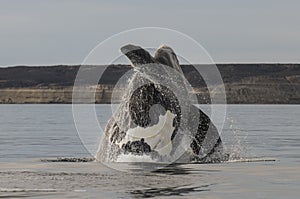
263, 140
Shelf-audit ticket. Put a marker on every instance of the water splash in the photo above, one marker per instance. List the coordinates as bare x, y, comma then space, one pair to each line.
134, 158
236, 146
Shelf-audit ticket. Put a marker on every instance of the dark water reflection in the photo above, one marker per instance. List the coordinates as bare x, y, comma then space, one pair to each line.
173, 169
179, 190
168, 191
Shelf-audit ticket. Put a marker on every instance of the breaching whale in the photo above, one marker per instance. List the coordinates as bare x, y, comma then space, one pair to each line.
152, 120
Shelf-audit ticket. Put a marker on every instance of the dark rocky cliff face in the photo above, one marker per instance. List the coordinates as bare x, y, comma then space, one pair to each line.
244, 83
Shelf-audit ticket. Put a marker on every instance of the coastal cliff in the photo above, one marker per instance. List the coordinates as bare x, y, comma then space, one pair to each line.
244, 83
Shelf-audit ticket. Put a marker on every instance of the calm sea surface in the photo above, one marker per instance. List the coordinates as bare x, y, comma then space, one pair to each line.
265, 138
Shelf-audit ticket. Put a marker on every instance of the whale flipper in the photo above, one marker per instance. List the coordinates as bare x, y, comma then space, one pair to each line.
166, 56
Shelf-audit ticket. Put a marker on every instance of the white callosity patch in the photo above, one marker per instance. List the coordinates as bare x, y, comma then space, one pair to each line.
157, 136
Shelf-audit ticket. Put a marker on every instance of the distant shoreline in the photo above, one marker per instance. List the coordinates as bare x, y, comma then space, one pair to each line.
251, 83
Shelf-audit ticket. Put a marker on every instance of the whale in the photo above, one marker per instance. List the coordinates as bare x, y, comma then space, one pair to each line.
152, 120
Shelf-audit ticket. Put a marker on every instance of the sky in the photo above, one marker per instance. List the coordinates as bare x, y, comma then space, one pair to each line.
49, 32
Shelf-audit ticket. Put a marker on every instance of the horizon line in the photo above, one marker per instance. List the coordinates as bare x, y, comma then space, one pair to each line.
78, 64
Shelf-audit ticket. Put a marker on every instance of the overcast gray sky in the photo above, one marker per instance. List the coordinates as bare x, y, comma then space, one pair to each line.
35, 32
